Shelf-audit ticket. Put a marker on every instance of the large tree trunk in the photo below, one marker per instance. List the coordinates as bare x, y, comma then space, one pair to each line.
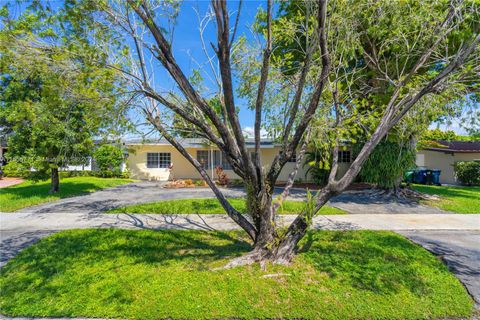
270, 245
55, 181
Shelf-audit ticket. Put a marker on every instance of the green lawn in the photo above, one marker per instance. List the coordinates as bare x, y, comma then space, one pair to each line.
29, 193
210, 206
456, 199
145, 274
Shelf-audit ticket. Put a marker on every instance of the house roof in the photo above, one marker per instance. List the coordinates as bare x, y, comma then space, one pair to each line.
194, 142
456, 146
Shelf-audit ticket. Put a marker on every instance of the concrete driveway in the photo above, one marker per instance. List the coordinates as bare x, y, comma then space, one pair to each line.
354, 202
131, 193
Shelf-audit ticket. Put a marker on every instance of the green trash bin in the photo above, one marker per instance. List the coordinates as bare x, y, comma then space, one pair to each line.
408, 177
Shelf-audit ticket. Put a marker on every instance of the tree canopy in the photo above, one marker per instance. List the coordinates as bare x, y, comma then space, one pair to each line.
54, 101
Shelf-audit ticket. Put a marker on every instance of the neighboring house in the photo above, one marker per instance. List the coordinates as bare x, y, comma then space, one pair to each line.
151, 160
444, 154
3, 150
81, 167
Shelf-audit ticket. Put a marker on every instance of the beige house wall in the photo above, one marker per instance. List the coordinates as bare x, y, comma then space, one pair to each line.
443, 161
182, 169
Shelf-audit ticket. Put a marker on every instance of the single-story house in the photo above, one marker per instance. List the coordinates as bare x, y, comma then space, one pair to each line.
151, 160
444, 154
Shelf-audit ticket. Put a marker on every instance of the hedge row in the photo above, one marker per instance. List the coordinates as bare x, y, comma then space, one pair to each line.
468, 172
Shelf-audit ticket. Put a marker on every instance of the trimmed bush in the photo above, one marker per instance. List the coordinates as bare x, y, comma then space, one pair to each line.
467, 172
98, 174
15, 169
108, 158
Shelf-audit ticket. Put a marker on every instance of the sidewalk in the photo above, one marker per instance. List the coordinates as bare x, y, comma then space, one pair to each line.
24, 222
19, 230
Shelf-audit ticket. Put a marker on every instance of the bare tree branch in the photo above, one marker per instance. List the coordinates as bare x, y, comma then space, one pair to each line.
261, 89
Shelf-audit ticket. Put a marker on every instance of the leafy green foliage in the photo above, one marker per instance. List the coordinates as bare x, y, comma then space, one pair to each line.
55, 96
318, 162
98, 174
211, 206
16, 169
429, 138
372, 47
468, 172
455, 199
30, 193
145, 274
437, 134
387, 164
108, 157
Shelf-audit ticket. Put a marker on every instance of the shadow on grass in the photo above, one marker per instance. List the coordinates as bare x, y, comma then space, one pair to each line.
380, 262
42, 188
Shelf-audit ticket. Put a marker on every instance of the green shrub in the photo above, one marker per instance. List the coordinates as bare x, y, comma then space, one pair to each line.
108, 158
319, 164
70, 174
39, 175
387, 164
99, 174
15, 169
468, 172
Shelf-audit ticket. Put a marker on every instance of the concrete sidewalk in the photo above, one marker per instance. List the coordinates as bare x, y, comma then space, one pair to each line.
19, 230
23, 221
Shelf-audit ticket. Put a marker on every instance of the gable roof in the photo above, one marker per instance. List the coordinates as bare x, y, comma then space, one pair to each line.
456, 146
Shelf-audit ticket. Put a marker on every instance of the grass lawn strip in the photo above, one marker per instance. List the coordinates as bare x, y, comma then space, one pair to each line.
31, 193
211, 206
144, 274
455, 199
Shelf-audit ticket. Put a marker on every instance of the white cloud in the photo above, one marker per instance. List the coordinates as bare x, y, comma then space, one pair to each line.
249, 132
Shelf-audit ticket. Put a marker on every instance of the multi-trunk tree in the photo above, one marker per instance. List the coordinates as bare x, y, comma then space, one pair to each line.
338, 40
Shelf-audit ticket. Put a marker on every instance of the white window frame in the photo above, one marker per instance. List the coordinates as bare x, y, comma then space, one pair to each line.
162, 159
344, 156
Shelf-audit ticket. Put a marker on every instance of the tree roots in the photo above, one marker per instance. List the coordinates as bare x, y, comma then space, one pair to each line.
260, 256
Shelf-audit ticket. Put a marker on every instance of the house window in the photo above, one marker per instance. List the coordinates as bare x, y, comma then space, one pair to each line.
158, 159
219, 159
203, 156
205, 159
344, 157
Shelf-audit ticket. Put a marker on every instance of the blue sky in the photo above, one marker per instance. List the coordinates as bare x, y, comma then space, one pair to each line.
187, 44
